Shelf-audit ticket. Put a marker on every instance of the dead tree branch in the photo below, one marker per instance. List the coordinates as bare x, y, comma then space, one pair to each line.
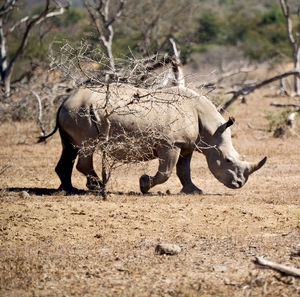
6, 67
101, 17
279, 104
226, 75
279, 267
294, 42
40, 112
7, 6
252, 87
4, 168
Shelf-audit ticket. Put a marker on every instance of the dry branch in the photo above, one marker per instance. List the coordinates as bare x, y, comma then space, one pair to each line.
101, 17
279, 267
40, 115
228, 74
252, 87
279, 104
6, 67
4, 168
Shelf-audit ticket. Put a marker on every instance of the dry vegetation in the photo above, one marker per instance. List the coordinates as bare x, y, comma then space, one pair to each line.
80, 245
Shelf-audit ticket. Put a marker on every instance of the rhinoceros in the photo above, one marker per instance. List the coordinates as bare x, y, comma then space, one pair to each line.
168, 124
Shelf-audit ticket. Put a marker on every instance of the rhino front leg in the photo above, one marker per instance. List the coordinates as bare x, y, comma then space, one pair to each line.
85, 166
167, 160
183, 170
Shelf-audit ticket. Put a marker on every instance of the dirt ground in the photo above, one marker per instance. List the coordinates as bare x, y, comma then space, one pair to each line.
80, 245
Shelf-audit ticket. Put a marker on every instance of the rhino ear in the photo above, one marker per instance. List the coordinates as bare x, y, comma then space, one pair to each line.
224, 126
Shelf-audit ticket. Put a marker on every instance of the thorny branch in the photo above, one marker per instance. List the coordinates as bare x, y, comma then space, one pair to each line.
87, 66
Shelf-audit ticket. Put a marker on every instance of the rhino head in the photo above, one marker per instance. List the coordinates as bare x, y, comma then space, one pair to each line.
223, 160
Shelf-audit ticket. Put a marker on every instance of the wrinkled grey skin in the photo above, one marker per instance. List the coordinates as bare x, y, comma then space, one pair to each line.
190, 123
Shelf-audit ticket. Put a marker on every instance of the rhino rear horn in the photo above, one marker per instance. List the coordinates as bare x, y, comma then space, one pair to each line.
224, 126
255, 166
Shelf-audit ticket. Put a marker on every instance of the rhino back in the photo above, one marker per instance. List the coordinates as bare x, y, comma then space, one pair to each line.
172, 113
161, 112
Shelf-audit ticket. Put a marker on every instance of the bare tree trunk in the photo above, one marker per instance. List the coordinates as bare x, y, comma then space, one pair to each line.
5, 77
7, 82
297, 67
293, 41
105, 165
100, 16
3, 53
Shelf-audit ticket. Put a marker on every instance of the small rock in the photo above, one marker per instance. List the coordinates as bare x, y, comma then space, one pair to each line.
296, 251
24, 195
167, 249
220, 268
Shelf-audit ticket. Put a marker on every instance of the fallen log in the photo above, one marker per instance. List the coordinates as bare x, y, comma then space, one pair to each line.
279, 267
252, 87
279, 104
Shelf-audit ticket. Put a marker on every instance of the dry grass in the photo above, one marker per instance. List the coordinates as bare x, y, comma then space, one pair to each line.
56, 245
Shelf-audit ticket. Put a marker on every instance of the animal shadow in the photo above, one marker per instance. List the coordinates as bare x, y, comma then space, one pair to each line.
45, 191
50, 192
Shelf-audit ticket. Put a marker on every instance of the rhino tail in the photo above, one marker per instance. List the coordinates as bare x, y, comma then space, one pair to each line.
44, 137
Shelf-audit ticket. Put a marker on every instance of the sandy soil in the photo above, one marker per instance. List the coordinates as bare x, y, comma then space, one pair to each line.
80, 245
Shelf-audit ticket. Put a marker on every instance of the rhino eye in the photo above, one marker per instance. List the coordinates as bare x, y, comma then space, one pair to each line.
228, 160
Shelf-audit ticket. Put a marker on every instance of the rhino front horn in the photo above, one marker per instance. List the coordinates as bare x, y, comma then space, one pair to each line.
255, 166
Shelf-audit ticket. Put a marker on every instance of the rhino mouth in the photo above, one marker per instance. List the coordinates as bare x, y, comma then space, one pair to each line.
237, 184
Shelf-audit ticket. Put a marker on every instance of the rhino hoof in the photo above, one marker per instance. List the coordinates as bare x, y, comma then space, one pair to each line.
191, 189
68, 189
93, 183
94, 187
145, 183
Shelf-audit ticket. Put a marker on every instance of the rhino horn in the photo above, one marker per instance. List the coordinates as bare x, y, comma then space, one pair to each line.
255, 166
224, 126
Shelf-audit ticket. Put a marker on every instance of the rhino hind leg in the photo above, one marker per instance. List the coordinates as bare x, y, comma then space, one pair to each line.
65, 165
183, 171
167, 160
85, 166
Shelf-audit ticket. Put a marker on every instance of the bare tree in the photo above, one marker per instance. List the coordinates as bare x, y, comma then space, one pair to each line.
157, 21
294, 41
103, 19
6, 7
